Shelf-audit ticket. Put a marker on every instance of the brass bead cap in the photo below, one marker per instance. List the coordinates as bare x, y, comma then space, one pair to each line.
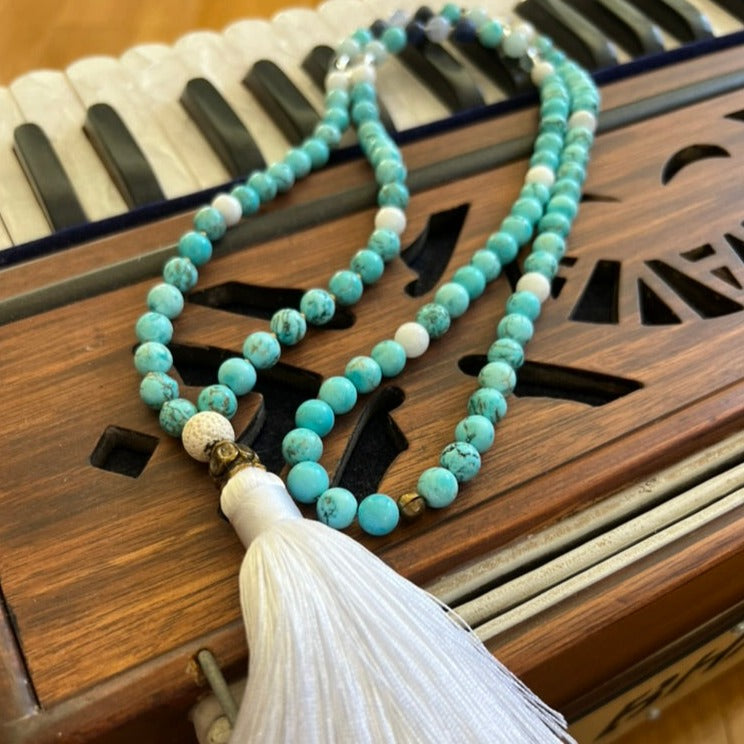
411, 505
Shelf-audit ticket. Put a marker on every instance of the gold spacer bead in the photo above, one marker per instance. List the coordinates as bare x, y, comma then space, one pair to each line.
411, 506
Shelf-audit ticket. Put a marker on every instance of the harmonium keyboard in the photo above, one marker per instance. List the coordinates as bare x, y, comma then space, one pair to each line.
600, 552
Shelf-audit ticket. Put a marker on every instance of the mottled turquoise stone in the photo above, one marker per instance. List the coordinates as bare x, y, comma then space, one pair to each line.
542, 262
381, 151
476, 430
248, 199
196, 247
393, 195
517, 327
238, 374
152, 357
210, 221
498, 375
394, 38
364, 373
174, 414
306, 481
385, 243
362, 91
368, 264
555, 107
378, 514
550, 243
299, 161
289, 326
537, 191
461, 459
346, 286
181, 273
364, 111
567, 186
316, 150
316, 415
391, 357
156, 388
547, 158
574, 171
390, 171
564, 204
362, 36
490, 34
454, 297
549, 141
504, 246
328, 133
518, 227
488, 263
283, 176
506, 350
166, 300
525, 303
300, 445
487, 402
337, 116
262, 349
434, 318
451, 11
264, 185
339, 393
555, 222
437, 487
472, 278
318, 306
336, 507
579, 135
152, 326
575, 153
529, 208
218, 398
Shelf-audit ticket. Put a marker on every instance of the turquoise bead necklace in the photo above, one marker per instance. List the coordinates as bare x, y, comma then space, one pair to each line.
543, 214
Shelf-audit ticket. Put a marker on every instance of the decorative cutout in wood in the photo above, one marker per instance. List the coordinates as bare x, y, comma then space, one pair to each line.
689, 155
123, 451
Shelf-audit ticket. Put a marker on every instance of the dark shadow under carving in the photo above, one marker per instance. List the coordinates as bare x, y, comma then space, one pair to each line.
699, 253
653, 310
198, 365
689, 155
737, 244
599, 300
123, 451
726, 275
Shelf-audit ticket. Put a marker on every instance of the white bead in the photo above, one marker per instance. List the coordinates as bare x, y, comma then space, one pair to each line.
391, 218
202, 431
477, 16
540, 174
377, 50
414, 338
584, 119
337, 80
536, 283
540, 71
229, 207
515, 44
400, 18
437, 29
364, 73
525, 29
349, 47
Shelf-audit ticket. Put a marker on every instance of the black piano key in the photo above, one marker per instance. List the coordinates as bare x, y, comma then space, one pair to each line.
52, 187
733, 7
571, 31
289, 109
222, 128
504, 71
122, 156
623, 23
680, 18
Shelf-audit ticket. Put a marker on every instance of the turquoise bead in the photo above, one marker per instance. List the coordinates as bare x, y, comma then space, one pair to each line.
477, 431
362, 36
363, 91
390, 171
528, 208
368, 264
181, 273
394, 38
238, 374
316, 415
390, 356
550, 243
154, 327
498, 375
299, 161
569, 187
555, 222
289, 326
549, 141
434, 318
537, 191
524, 303
306, 481
346, 286
504, 246
378, 514
211, 222
196, 247
337, 116
575, 153
318, 306
491, 34
472, 279
555, 107
283, 176
488, 263
174, 414
462, 460
364, 373
454, 297
316, 150
564, 204
339, 393
393, 195
487, 402
156, 388
264, 185
248, 198
546, 158
152, 357
336, 507
328, 133
437, 487
166, 300
218, 398
574, 171
541, 262
300, 445
262, 349
517, 327
382, 151
518, 227
385, 243
451, 12
506, 350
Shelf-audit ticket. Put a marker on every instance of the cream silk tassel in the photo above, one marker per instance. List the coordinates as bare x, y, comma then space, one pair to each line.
343, 649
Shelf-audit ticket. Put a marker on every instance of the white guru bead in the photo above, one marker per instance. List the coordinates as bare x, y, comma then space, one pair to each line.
391, 218
538, 284
584, 119
202, 431
541, 70
229, 207
364, 73
414, 338
540, 174
337, 80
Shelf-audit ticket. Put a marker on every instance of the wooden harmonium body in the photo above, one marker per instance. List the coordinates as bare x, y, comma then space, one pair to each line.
603, 540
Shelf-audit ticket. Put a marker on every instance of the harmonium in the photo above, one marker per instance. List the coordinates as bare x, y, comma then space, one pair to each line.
600, 551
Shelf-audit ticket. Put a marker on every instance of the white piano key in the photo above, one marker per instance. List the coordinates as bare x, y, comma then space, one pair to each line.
106, 80
162, 76
22, 216
46, 98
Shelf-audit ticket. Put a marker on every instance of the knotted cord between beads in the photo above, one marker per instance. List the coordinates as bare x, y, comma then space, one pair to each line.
543, 213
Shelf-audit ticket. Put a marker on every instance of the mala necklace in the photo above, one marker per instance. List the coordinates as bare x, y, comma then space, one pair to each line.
355, 684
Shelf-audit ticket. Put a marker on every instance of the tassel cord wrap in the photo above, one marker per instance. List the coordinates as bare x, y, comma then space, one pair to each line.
343, 649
